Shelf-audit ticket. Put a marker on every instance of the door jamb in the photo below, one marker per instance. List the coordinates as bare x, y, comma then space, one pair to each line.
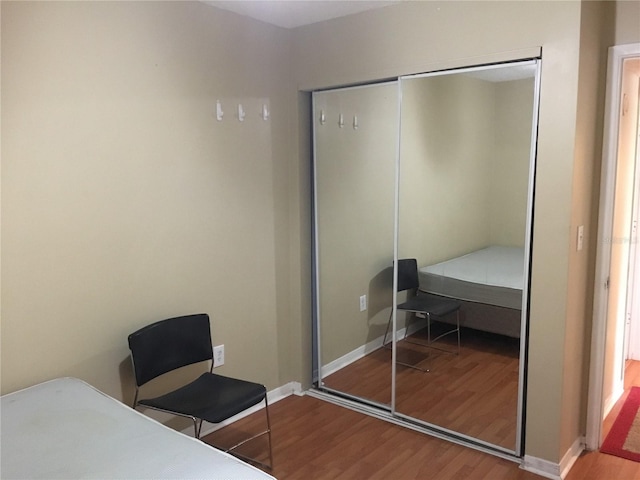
595, 407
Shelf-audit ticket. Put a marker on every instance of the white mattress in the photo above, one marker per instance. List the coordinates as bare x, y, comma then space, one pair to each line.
493, 275
66, 429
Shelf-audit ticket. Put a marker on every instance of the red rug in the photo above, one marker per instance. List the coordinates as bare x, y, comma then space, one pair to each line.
624, 438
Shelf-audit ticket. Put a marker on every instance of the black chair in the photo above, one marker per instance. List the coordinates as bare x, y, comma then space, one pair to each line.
177, 342
423, 303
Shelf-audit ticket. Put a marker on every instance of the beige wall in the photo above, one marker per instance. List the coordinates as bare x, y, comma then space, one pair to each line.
355, 181
124, 201
627, 19
446, 147
434, 34
111, 153
510, 162
596, 35
464, 167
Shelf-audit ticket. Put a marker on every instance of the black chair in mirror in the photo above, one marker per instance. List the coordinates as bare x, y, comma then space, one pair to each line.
432, 307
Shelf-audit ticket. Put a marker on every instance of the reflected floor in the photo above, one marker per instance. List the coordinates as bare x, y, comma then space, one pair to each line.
474, 393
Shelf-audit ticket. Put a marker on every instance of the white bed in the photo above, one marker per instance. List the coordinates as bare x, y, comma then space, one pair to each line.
66, 429
492, 276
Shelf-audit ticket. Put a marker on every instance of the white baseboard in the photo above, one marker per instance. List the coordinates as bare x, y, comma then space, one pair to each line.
541, 467
273, 396
555, 471
611, 400
364, 350
571, 456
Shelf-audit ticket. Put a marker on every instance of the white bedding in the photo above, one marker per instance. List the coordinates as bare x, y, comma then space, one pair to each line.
493, 275
66, 429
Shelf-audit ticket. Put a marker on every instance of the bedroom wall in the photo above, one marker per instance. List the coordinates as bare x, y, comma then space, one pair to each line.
355, 181
596, 35
446, 149
627, 18
435, 35
510, 160
124, 201
465, 142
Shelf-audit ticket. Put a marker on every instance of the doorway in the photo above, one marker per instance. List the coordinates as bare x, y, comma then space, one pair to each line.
616, 278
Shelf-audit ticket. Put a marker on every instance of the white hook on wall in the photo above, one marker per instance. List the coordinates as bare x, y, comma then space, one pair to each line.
219, 112
355, 122
265, 112
323, 118
241, 113
341, 120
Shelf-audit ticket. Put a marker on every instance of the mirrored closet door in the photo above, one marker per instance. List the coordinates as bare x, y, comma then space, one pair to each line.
356, 143
444, 178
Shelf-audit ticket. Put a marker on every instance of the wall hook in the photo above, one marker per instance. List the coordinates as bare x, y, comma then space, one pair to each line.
219, 112
265, 112
355, 122
241, 113
341, 120
323, 118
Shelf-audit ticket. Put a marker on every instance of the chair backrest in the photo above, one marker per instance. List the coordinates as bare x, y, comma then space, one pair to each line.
169, 344
407, 274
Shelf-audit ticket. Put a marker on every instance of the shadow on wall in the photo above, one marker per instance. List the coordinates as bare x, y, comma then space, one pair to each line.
380, 300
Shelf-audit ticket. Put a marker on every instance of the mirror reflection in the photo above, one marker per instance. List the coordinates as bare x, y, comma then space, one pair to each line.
355, 132
463, 210
466, 142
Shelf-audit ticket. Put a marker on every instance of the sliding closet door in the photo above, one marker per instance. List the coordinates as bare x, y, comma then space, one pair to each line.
355, 149
466, 176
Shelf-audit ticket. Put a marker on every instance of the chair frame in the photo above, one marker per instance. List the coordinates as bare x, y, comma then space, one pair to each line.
408, 283
197, 422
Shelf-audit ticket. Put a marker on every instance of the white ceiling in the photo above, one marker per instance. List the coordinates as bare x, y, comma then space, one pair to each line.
295, 13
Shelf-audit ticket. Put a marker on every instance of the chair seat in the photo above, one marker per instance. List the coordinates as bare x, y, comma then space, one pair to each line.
211, 397
432, 304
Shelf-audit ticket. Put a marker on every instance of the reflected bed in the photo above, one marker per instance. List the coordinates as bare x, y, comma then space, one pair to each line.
484, 279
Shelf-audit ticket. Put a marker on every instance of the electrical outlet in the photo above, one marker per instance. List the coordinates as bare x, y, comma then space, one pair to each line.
218, 356
363, 303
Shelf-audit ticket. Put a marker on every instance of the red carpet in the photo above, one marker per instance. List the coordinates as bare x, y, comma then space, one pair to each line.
624, 438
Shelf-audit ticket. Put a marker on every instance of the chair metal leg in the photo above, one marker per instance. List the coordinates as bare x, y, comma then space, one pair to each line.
384, 340
267, 431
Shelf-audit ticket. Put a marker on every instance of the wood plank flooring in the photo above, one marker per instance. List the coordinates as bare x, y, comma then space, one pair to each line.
314, 439
483, 378
600, 466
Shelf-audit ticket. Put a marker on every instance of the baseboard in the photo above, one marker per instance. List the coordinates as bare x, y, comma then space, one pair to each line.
541, 467
611, 400
364, 350
273, 396
555, 471
571, 456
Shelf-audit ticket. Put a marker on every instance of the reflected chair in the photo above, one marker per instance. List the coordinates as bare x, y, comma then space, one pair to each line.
170, 344
433, 307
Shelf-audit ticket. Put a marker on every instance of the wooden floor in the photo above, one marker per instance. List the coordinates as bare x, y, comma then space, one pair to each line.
600, 466
483, 378
314, 439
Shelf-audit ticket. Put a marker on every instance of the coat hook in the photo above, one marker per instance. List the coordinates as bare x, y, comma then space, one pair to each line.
341, 120
355, 122
323, 118
265, 112
241, 113
219, 112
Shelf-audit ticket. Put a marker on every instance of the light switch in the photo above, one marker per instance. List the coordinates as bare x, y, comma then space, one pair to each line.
580, 241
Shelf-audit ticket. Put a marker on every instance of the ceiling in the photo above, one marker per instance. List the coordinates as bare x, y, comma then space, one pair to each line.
295, 13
